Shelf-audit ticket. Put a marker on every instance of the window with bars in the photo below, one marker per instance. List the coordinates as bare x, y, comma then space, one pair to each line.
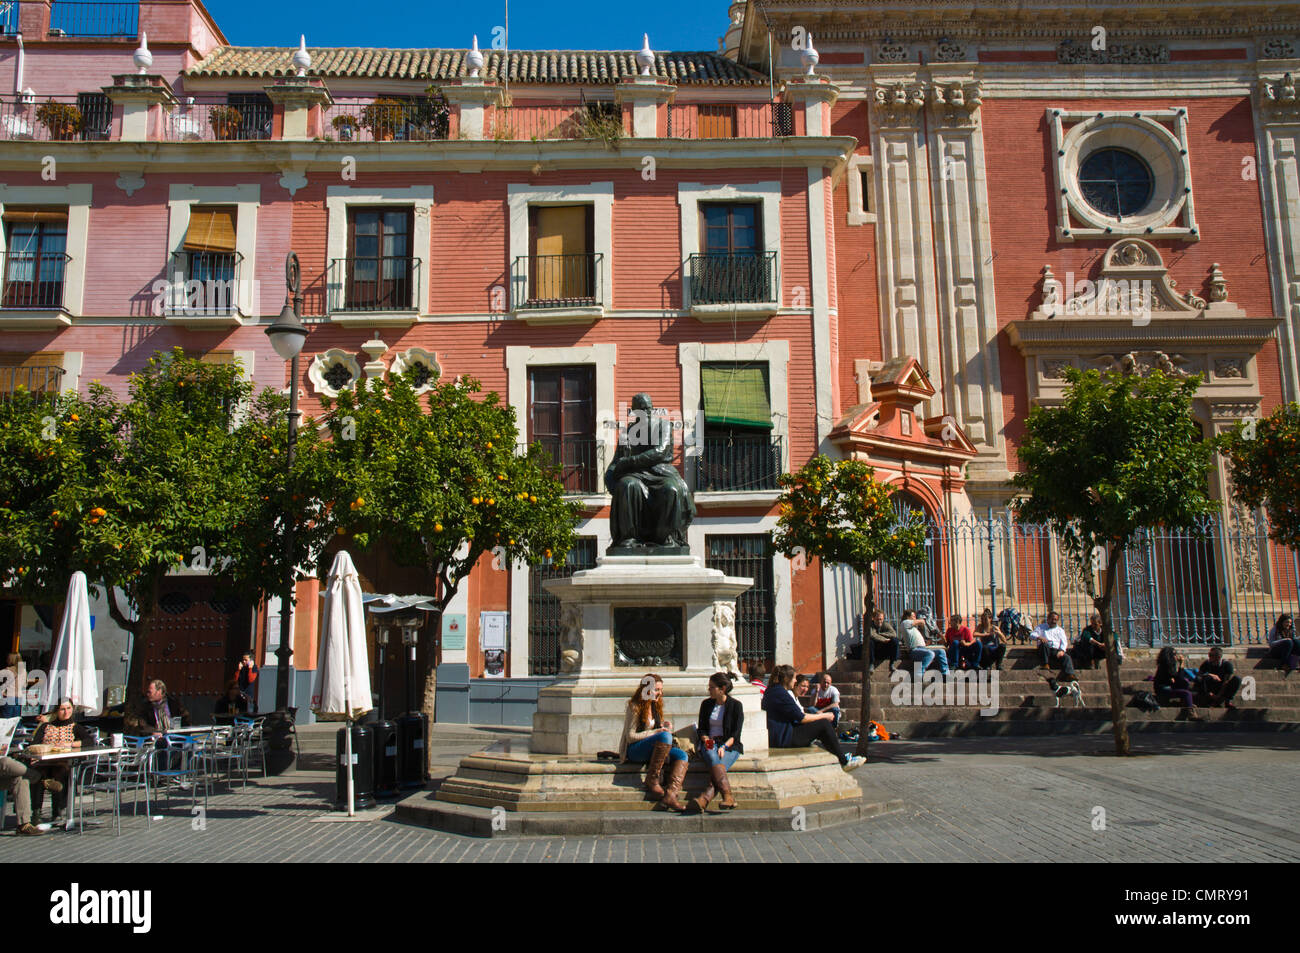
749, 556
36, 373
562, 418
35, 257
544, 628
256, 114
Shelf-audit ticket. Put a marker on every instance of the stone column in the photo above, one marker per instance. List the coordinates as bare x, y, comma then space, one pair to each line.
301, 101
964, 255
1277, 133
817, 95
646, 94
470, 98
142, 98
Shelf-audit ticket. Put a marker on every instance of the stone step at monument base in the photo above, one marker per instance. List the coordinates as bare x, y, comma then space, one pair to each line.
510, 776
425, 810
987, 728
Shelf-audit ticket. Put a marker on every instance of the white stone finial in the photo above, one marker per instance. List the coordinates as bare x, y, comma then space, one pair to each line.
646, 57
142, 58
301, 58
810, 56
475, 59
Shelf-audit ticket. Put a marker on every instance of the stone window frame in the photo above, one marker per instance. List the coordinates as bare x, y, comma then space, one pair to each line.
1158, 137
858, 213
77, 198
600, 196
419, 198
690, 195
181, 199
322, 362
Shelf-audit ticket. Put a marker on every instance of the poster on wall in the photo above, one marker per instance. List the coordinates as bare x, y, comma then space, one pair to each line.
494, 663
453, 631
494, 627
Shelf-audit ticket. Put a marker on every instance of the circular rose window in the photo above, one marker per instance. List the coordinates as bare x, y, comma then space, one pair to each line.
1116, 182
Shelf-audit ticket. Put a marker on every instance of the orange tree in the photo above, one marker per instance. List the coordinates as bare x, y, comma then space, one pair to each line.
438, 481
1120, 453
1264, 461
839, 513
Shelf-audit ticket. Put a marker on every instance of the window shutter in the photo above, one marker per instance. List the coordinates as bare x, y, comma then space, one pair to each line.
736, 395
51, 215
212, 229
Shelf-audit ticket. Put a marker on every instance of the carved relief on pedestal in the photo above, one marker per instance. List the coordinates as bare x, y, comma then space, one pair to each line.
1277, 98
955, 103
899, 104
571, 640
726, 650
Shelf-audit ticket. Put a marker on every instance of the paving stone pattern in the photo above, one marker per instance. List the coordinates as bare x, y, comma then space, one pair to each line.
968, 799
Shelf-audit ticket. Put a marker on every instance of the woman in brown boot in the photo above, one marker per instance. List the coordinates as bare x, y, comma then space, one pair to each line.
721, 720
648, 739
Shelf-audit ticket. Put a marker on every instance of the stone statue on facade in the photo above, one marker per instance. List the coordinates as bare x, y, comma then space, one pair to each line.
651, 506
725, 647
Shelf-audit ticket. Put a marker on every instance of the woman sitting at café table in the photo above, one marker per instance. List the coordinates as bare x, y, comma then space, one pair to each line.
57, 732
234, 702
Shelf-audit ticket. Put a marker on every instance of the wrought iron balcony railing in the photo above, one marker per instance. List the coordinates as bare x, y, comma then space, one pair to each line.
557, 281
34, 380
218, 120
422, 119
380, 283
204, 283
581, 462
82, 18
739, 463
56, 119
33, 281
743, 278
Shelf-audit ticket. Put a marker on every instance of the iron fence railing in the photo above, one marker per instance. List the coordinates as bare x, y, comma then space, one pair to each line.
545, 619
204, 283
421, 119
34, 380
32, 280
194, 121
739, 462
581, 462
741, 278
730, 120
56, 118
557, 281
83, 18
1223, 582
378, 283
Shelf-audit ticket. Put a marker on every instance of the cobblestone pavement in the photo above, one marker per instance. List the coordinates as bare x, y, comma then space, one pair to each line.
1019, 799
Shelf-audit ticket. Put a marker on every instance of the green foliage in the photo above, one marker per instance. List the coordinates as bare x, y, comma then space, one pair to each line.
1120, 453
838, 512
437, 478
1264, 461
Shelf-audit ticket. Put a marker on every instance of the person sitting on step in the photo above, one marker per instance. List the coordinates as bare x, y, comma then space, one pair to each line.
789, 726
964, 650
993, 643
1283, 644
825, 697
647, 739
882, 641
1216, 679
914, 643
721, 720
1054, 647
1173, 682
1090, 648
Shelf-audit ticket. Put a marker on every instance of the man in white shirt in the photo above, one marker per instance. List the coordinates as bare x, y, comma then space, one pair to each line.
826, 698
1054, 646
913, 631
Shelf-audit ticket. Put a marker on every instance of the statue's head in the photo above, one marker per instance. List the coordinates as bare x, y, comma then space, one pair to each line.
643, 402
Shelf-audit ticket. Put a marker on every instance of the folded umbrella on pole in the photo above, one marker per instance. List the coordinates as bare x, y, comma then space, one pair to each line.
72, 663
342, 688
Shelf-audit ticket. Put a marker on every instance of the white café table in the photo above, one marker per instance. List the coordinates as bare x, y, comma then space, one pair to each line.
74, 755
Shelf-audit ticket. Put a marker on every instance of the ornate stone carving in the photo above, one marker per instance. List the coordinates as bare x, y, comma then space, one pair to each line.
946, 51
1071, 575
726, 649
1277, 98
1244, 531
1074, 52
571, 640
130, 182
1276, 49
955, 103
899, 103
1218, 286
1229, 367
1054, 368
333, 371
1133, 253
426, 368
890, 52
1143, 363
1235, 409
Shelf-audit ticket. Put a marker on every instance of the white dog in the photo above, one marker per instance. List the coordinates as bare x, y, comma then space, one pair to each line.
1066, 690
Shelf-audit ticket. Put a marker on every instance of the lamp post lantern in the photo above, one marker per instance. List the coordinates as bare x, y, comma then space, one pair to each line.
287, 334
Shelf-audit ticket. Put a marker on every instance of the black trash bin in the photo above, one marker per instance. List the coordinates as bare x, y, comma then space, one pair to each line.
413, 766
386, 757
363, 768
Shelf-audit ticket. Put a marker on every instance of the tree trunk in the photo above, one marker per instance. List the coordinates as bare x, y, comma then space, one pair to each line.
138, 628
864, 711
1118, 714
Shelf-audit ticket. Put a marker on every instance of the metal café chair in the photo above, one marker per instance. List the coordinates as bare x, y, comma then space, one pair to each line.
178, 764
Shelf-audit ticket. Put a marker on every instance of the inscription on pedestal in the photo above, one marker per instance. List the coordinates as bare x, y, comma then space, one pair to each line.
648, 636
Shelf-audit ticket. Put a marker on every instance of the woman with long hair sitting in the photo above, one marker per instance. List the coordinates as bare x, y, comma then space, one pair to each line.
1172, 682
789, 726
648, 739
1283, 644
721, 720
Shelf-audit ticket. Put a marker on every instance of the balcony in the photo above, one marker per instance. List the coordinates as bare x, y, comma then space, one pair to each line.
423, 119
217, 121
32, 292
724, 286
748, 463
382, 291
93, 19
536, 122
56, 119
581, 463
730, 120
555, 289
35, 380
8, 18
206, 289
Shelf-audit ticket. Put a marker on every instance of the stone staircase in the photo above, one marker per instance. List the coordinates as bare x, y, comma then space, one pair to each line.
1025, 704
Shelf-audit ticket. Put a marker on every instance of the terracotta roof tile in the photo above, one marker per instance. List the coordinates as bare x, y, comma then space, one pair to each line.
518, 66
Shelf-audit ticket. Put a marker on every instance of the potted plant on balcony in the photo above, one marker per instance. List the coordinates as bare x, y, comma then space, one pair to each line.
63, 120
346, 126
383, 117
225, 121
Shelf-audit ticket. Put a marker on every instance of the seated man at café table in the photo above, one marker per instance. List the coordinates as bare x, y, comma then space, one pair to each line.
234, 702
16, 781
57, 732
155, 712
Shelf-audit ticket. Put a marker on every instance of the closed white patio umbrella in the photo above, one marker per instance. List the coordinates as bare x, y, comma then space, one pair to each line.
342, 689
72, 663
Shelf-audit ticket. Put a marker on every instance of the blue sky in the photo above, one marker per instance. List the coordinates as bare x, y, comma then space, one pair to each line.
534, 24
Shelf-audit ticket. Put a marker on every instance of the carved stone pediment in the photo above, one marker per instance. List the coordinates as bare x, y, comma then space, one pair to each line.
1073, 52
899, 104
1277, 98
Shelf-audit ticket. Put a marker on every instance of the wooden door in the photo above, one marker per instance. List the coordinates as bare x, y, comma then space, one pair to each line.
195, 640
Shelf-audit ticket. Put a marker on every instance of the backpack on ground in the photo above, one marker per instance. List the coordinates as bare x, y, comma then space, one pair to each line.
1145, 701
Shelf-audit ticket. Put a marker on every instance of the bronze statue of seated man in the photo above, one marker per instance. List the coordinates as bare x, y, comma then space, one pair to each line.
651, 505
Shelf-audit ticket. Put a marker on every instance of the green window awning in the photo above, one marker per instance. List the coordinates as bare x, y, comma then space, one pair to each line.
736, 395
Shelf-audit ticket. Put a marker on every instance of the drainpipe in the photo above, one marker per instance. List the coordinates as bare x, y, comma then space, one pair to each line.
18, 73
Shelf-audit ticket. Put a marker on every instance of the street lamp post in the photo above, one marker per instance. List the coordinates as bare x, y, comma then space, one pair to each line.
287, 334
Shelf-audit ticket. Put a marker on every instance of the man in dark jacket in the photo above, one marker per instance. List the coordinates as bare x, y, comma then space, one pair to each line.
881, 639
1217, 680
155, 712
